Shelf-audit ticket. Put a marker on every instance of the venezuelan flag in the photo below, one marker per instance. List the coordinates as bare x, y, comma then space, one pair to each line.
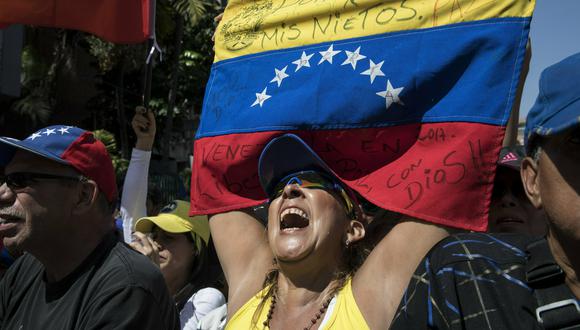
406, 100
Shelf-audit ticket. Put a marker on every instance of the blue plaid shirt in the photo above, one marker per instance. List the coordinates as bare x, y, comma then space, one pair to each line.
471, 281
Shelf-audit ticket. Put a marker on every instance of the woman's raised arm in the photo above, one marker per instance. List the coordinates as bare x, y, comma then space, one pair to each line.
379, 284
242, 247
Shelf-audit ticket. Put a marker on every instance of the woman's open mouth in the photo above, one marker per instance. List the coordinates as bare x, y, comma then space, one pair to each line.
293, 219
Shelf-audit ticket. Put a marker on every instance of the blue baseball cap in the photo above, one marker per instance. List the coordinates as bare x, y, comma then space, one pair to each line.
289, 154
275, 164
557, 107
71, 146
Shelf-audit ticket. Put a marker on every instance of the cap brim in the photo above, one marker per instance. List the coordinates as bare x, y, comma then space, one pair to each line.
285, 155
9, 146
167, 222
511, 165
563, 120
172, 223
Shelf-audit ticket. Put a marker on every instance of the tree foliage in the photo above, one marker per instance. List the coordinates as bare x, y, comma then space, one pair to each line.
108, 139
75, 78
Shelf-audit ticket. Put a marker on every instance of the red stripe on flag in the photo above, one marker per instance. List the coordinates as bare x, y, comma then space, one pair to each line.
125, 21
415, 169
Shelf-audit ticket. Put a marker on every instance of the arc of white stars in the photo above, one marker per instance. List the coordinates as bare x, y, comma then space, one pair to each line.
49, 131
303, 61
63, 130
261, 97
34, 136
328, 54
391, 95
280, 75
374, 70
353, 57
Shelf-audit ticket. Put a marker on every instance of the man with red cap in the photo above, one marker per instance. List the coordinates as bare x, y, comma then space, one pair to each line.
56, 203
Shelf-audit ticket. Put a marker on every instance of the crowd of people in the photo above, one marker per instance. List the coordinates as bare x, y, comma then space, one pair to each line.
324, 258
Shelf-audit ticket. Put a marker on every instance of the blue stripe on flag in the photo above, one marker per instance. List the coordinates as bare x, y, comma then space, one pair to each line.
462, 72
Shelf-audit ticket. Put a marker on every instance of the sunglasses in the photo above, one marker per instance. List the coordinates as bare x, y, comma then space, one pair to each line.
20, 180
315, 180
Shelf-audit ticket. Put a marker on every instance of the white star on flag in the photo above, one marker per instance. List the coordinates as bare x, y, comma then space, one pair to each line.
261, 97
280, 75
391, 94
49, 131
353, 57
328, 54
35, 135
63, 130
374, 70
304, 60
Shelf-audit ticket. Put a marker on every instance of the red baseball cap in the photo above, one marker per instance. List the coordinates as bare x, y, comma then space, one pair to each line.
71, 146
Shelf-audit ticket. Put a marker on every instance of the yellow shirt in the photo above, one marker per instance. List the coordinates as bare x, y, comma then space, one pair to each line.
345, 314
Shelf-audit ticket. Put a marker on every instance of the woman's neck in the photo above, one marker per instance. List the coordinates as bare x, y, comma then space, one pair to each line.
302, 291
175, 283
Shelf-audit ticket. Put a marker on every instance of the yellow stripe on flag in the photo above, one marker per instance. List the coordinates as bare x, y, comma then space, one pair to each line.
251, 26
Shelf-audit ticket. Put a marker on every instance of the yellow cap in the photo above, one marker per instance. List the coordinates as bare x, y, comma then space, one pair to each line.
174, 218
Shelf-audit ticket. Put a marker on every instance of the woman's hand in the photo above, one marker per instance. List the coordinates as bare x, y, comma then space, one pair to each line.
146, 246
143, 124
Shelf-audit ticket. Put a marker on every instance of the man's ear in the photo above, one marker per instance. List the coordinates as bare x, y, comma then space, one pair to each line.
530, 178
356, 231
87, 197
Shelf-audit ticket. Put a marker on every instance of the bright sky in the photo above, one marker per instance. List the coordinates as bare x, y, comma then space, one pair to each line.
555, 35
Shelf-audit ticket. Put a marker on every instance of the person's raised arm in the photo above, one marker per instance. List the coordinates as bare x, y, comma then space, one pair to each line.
242, 247
379, 284
134, 196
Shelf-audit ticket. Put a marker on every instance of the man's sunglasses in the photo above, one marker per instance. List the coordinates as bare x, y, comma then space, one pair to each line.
21, 180
315, 180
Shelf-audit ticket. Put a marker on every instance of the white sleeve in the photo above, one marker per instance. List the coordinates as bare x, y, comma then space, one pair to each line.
214, 320
134, 196
199, 305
